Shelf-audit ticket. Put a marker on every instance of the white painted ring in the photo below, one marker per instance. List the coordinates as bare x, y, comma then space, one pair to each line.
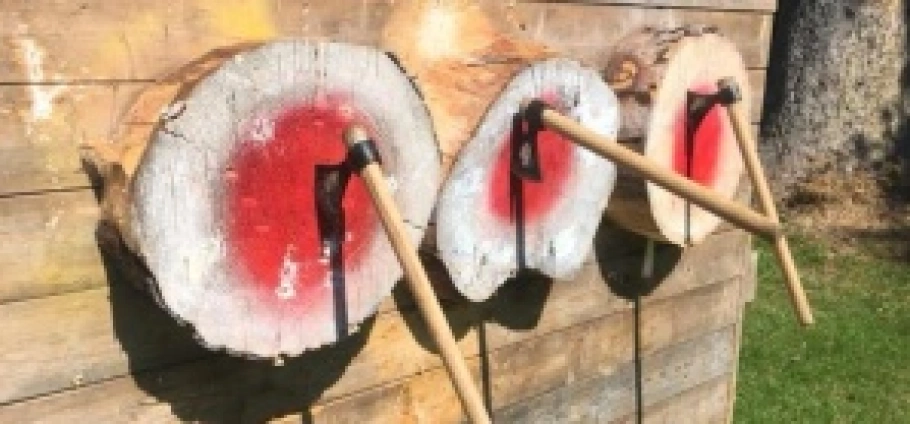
478, 250
177, 205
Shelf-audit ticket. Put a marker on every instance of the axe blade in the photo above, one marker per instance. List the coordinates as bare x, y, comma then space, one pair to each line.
330, 183
525, 160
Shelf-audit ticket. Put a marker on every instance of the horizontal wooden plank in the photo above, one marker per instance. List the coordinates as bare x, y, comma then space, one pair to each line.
589, 33
753, 5
41, 128
540, 366
666, 374
259, 393
103, 40
107, 333
41, 146
107, 40
55, 248
706, 403
42, 124
49, 245
52, 247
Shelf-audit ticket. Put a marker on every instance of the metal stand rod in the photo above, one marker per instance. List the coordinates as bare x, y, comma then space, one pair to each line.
416, 277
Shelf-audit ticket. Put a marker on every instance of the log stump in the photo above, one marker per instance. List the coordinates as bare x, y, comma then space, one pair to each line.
491, 224
653, 72
459, 58
223, 205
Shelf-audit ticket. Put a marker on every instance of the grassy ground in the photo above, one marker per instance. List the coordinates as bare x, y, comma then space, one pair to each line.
852, 366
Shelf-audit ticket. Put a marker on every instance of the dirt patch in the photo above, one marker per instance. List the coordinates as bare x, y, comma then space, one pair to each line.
859, 214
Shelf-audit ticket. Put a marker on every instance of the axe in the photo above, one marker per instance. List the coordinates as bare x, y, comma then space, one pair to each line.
363, 158
539, 115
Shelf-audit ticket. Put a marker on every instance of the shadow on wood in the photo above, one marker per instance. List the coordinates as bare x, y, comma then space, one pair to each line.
516, 305
167, 362
620, 255
165, 359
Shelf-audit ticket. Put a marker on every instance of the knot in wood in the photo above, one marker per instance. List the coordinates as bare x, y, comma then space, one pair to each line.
623, 73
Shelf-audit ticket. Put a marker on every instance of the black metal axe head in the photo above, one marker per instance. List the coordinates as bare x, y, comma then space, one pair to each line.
525, 159
698, 105
330, 183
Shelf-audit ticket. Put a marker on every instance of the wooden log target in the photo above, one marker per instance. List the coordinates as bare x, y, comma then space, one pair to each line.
486, 230
223, 205
652, 72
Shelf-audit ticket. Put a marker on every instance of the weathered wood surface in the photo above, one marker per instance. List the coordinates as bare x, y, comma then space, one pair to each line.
43, 124
754, 5
104, 333
548, 227
653, 71
221, 209
521, 364
665, 374
62, 84
420, 400
704, 404
53, 248
49, 245
142, 41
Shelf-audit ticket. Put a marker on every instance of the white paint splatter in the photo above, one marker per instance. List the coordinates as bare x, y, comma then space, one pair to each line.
263, 129
51, 223
288, 277
172, 111
42, 95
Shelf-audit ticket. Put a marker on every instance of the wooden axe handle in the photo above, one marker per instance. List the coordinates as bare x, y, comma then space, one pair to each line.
729, 210
749, 152
416, 277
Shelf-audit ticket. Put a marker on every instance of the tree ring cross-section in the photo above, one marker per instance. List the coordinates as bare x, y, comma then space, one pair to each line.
224, 203
492, 224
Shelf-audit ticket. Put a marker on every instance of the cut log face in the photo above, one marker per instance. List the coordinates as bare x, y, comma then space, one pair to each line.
491, 224
459, 59
652, 72
224, 205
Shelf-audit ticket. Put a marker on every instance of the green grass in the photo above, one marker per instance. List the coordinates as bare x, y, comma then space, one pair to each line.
853, 366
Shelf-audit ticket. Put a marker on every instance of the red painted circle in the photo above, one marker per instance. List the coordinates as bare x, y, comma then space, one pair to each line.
538, 197
270, 204
707, 141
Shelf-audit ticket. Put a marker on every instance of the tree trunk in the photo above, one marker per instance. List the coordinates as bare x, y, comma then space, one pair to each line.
834, 98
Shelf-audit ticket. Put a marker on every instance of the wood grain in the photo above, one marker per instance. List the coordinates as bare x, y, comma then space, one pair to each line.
108, 332
394, 383
106, 40
91, 91
77, 348
666, 374
53, 248
49, 245
484, 242
703, 404
753, 5
146, 40
43, 154
587, 32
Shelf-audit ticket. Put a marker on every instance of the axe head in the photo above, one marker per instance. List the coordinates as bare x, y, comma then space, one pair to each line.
330, 183
525, 160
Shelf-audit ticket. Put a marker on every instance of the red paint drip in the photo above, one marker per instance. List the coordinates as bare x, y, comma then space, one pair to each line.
270, 204
538, 197
707, 139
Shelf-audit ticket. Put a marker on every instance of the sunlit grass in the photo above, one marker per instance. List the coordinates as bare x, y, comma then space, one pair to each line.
852, 366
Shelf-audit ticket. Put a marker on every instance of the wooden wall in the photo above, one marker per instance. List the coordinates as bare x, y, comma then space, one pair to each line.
80, 344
